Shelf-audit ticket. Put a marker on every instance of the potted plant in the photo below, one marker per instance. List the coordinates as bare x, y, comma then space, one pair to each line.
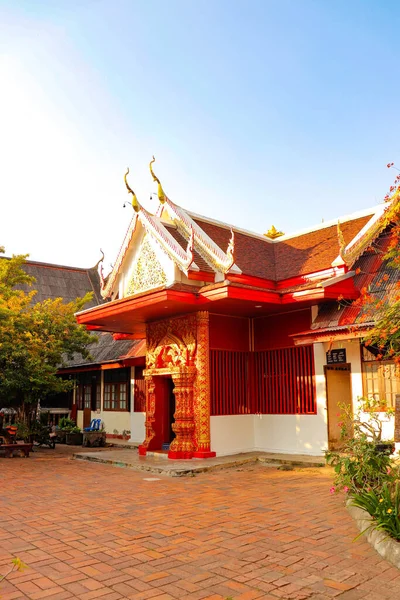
65, 425
74, 437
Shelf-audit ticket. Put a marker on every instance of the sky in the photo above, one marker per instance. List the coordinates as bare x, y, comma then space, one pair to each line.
259, 112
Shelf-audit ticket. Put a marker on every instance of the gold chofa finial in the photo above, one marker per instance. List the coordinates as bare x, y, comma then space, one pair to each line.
135, 202
273, 233
160, 191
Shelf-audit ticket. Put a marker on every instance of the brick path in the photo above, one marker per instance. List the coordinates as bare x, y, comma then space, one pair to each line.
93, 531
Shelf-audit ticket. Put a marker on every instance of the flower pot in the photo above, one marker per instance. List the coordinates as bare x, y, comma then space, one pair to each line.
94, 439
74, 439
61, 436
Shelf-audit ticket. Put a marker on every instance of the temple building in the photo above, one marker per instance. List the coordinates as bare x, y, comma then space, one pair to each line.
238, 340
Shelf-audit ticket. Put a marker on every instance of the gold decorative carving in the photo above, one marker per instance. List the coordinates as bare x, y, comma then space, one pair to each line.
273, 233
135, 202
171, 343
150, 413
202, 395
180, 347
183, 446
147, 271
160, 191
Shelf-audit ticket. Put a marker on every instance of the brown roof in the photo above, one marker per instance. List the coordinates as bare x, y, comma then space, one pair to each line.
313, 251
106, 349
57, 281
254, 256
299, 255
371, 269
199, 260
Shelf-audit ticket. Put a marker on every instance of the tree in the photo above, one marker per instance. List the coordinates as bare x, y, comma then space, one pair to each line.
385, 335
34, 338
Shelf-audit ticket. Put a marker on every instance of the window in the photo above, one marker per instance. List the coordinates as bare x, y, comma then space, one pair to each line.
88, 390
140, 390
381, 379
116, 389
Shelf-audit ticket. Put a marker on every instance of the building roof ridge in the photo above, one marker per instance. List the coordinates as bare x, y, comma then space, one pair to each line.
48, 265
331, 223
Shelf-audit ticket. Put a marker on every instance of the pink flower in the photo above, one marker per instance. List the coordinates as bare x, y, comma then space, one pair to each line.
346, 489
332, 490
340, 424
388, 470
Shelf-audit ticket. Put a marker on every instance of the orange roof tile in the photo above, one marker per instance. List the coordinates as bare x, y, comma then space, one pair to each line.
313, 251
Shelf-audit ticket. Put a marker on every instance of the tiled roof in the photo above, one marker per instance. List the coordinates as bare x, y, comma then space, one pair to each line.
253, 255
105, 350
370, 268
313, 251
199, 260
283, 259
57, 281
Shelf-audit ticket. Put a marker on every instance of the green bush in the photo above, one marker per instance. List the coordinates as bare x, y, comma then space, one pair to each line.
361, 464
66, 424
384, 508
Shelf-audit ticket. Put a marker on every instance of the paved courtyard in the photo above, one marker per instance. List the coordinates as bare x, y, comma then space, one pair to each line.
90, 531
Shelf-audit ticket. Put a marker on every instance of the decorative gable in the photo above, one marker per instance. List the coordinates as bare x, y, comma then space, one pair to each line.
147, 271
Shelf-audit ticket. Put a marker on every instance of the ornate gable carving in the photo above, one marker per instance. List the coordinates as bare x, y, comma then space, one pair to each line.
147, 271
172, 343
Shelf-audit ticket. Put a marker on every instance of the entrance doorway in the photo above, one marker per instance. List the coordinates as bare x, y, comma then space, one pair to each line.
171, 410
164, 413
338, 391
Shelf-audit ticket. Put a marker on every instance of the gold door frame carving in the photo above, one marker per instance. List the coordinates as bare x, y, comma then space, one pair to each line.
179, 348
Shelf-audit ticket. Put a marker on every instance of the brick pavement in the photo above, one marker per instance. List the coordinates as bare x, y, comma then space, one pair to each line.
93, 531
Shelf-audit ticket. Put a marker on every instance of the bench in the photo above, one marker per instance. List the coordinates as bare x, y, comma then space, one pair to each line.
9, 449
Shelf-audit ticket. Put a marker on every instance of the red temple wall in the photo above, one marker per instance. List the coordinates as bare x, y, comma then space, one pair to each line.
273, 332
229, 333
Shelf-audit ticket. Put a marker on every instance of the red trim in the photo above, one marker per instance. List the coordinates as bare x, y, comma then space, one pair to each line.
250, 280
204, 454
122, 336
116, 307
201, 276
311, 277
238, 293
78, 370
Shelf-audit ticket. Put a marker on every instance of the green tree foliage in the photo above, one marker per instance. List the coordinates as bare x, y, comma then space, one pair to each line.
35, 338
385, 311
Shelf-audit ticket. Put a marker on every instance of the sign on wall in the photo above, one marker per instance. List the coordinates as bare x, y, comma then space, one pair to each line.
335, 357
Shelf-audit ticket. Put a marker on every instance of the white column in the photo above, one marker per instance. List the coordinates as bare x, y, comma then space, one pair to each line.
132, 415
320, 387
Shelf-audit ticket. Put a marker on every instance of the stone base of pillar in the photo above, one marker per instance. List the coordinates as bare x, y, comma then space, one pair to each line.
142, 450
179, 455
204, 454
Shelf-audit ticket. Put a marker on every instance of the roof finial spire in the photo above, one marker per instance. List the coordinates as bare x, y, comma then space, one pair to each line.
135, 202
160, 191
273, 233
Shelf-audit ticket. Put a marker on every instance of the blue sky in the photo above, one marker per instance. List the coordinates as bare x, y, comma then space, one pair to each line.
258, 112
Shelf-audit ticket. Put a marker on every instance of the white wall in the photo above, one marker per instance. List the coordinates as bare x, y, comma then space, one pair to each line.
138, 430
114, 420
232, 434
290, 434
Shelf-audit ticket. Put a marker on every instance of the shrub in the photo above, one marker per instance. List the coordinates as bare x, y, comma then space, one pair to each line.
66, 423
384, 508
362, 464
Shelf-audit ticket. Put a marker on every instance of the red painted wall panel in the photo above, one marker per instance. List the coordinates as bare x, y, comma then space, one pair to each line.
229, 333
273, 332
